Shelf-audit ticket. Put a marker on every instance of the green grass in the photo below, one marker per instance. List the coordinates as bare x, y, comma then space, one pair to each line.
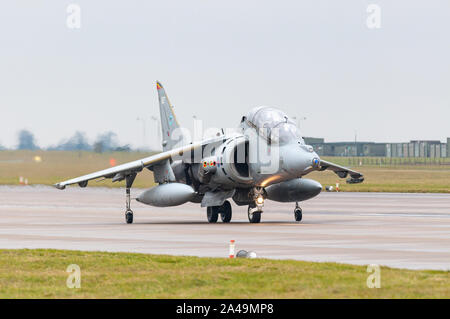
42, 274
403, 179
398, 175
57, 166
381, 174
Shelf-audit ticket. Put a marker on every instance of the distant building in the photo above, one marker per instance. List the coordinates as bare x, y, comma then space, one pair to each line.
415, 148
347, 148
447, 154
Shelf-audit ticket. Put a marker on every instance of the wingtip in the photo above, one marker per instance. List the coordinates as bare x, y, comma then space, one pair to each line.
59, 186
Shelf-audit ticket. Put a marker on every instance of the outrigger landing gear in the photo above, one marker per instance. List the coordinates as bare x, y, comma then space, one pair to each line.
129, 216
128, 212
297, 212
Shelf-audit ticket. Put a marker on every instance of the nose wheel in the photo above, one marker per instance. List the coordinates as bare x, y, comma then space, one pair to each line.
297, 213
254, 214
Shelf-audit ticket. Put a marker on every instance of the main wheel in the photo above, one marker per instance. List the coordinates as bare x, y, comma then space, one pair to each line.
254, 217
212, 214
225, 212
298, 214
129, 216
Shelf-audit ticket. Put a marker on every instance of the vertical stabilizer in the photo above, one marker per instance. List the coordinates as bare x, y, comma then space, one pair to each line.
169, 122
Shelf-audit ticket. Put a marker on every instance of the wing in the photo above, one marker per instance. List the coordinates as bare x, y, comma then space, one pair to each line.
342, 172
120, 172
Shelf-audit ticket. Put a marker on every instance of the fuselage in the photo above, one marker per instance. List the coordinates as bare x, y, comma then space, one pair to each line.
267, 149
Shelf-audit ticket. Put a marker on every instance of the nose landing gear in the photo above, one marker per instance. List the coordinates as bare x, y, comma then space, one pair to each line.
297, 212
254, 214
255, 209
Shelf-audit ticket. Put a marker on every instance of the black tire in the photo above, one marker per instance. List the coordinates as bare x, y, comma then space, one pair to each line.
298, 214
255, 217
129, 217
226, 212
212, 213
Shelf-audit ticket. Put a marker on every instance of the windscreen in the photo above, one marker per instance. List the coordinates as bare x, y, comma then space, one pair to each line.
285, 133
274, 124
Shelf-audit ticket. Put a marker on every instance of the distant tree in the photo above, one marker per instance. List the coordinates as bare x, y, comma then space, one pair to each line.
26, 141
98, 147
106, 142
78, 142
123, 148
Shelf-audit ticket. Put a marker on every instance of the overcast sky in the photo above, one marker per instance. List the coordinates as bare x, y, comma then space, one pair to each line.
217, 59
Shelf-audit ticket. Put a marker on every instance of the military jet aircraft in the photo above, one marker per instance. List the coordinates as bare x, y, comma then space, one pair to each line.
264, 159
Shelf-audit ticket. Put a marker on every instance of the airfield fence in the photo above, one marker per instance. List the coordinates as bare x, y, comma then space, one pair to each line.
389, 161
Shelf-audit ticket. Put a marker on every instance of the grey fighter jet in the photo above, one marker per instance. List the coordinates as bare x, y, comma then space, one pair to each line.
265, 158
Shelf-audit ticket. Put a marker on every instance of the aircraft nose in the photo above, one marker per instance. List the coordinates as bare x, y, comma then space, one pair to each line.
297, 159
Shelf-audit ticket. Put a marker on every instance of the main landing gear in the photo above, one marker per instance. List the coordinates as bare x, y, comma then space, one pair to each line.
128, 212
225, 212
297, 212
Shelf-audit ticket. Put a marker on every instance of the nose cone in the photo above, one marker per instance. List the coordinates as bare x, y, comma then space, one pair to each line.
314, 187
296, 159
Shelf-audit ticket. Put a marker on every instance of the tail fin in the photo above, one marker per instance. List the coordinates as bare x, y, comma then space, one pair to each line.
169, 122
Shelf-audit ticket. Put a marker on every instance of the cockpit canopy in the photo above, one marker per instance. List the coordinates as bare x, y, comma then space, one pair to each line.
274, 125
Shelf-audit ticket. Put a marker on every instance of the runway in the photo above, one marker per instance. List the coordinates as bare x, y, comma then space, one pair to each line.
397, 230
